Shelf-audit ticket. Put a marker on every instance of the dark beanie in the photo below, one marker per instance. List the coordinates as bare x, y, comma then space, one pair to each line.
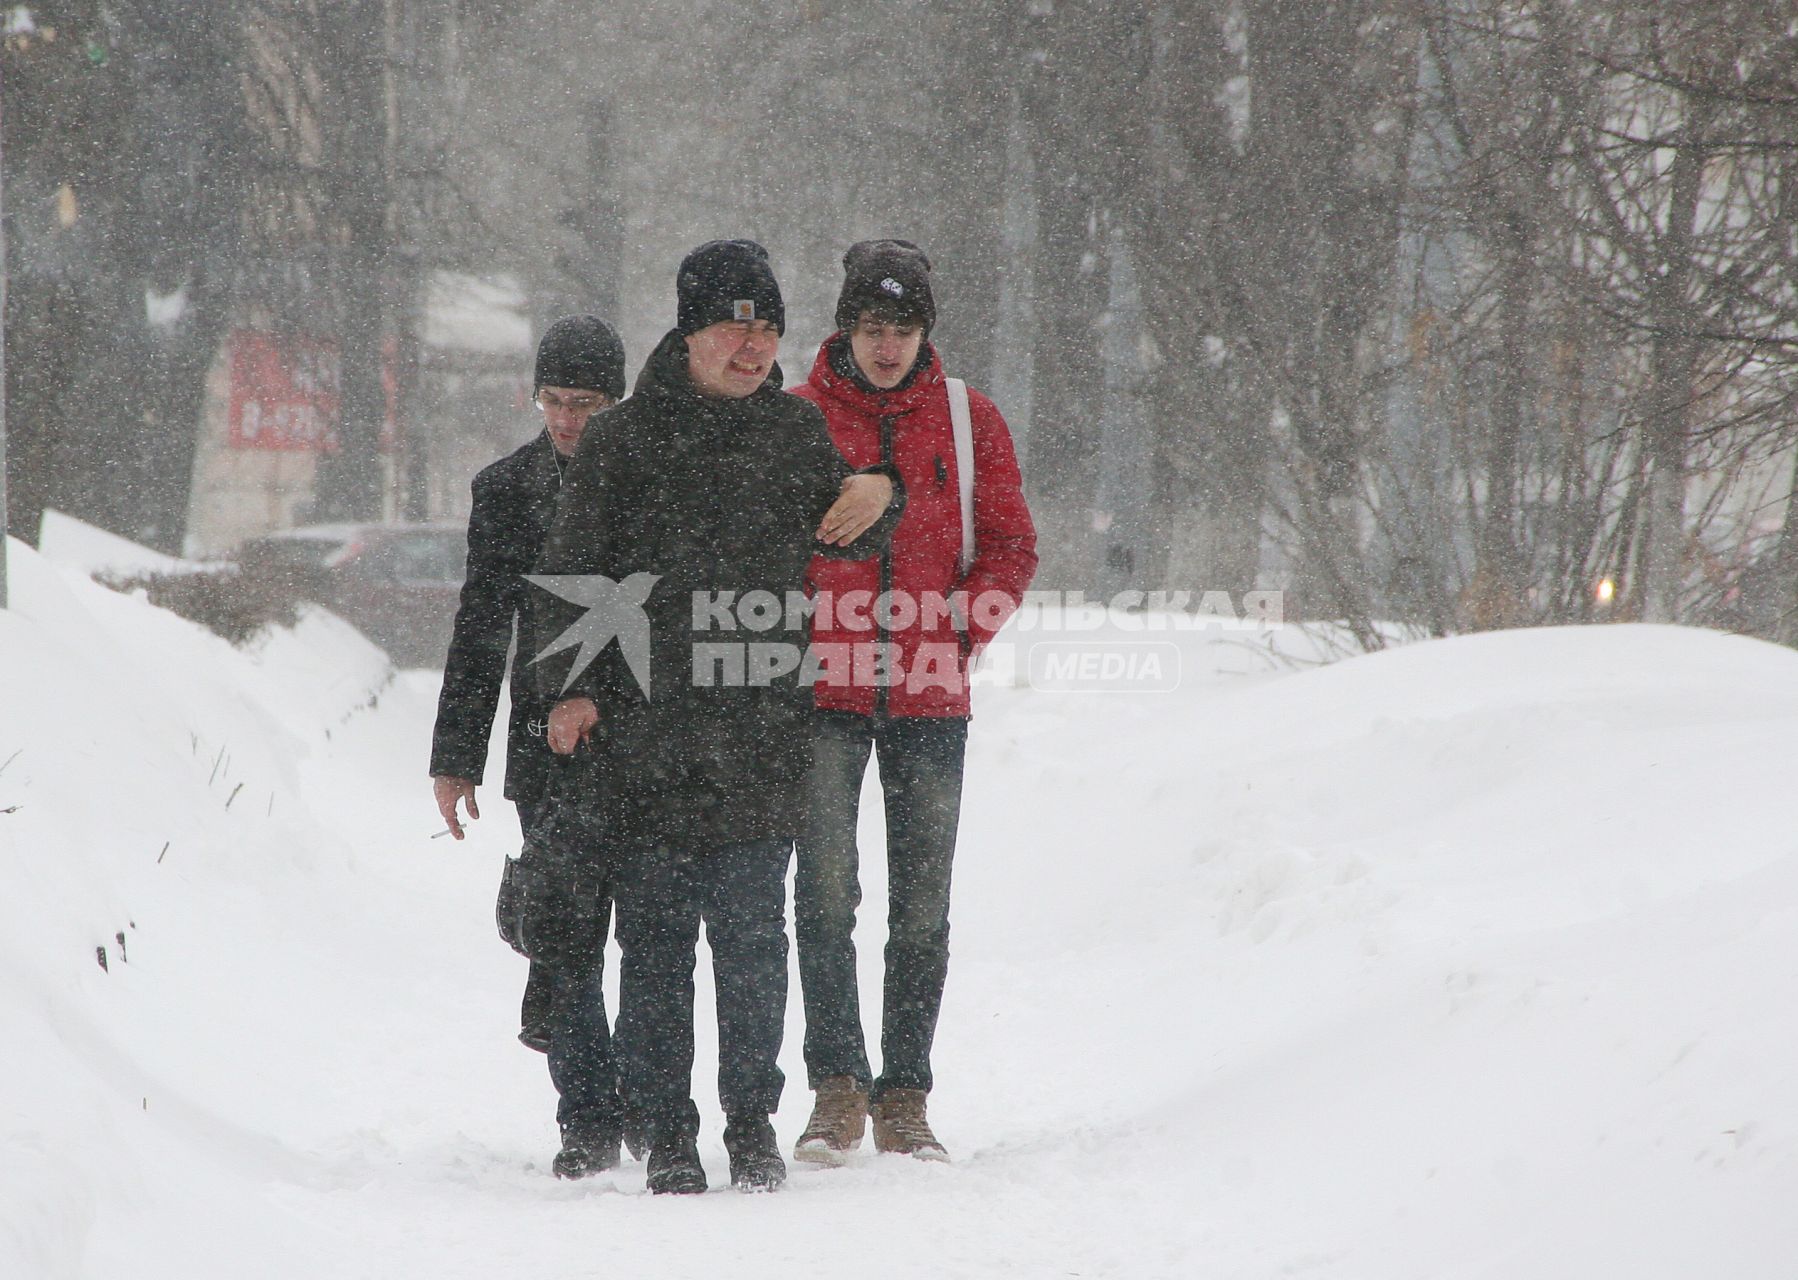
891, 278
581, 352
728, 280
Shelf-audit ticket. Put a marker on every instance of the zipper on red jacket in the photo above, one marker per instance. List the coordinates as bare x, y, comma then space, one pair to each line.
887, 421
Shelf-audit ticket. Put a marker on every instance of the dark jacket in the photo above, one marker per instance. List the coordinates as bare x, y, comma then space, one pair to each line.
513, 502
910, 427
710, 496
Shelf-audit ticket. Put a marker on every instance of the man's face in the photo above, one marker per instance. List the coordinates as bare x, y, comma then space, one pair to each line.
885, 351
565, 413
732, 358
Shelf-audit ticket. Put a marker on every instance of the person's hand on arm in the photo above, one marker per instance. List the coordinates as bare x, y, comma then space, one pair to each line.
863, 500
449, 791
570, 721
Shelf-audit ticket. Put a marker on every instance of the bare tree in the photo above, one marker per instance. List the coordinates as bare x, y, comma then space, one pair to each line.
121, 144
352, 38
1079, 113
1685, 117
1279, 144
1595, 315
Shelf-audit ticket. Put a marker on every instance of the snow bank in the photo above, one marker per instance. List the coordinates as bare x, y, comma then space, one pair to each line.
151, 781
1475, 958
75, 544
1467, 958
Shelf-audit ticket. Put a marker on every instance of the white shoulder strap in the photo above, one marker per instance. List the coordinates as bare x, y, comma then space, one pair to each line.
962, 421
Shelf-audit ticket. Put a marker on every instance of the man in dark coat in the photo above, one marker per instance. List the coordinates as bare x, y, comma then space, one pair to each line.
686, 524
579, 371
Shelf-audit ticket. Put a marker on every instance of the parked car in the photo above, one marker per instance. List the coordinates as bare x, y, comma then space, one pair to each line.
396, 583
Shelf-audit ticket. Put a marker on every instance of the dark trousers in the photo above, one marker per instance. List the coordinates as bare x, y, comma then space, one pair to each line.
534, 1009
739, 892
566, 1007
920, 762
581, 1062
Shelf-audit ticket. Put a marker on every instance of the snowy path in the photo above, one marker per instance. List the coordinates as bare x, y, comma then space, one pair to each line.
1474, 959
449, 1133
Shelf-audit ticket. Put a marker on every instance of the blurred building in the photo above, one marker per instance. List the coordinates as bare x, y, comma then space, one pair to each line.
274, 401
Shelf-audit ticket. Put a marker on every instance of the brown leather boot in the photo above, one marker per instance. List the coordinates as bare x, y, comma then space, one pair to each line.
839, 1118
900, 1126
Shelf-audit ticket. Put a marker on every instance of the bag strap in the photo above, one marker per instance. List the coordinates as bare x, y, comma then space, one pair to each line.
961, 420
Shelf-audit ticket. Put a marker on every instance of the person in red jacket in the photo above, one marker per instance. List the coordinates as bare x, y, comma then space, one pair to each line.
897, 636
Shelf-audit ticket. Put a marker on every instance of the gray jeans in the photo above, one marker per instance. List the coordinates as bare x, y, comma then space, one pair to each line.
920, 760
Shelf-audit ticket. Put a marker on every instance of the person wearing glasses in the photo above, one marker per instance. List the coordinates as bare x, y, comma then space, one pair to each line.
579, 372
709, 486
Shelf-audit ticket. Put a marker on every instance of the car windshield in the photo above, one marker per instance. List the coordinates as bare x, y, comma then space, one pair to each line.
434, 557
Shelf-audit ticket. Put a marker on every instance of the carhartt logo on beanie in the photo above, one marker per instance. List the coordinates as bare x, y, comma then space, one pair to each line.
724, 280
584, 353
891, 278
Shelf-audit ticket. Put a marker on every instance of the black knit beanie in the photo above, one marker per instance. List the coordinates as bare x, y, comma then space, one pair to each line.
584, 353
727, 280
891, 278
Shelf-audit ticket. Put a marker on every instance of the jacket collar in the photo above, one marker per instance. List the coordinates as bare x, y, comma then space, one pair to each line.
863, 399
545, 466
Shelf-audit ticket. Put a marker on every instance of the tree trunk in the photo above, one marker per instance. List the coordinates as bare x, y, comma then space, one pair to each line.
1785, 625
351, 483
980, 76
1210, 478
1672, 382
1070, 288
1494, 598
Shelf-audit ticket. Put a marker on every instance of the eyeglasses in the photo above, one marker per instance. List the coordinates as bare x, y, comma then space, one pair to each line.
546, 400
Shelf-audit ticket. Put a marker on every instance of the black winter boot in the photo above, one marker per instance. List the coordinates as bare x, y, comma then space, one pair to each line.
674, 1167
586, 1150
755, 1163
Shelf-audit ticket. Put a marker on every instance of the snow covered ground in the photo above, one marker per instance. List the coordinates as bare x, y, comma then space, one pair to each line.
1474, 958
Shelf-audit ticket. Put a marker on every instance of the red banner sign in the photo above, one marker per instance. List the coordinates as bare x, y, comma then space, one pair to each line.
284, 392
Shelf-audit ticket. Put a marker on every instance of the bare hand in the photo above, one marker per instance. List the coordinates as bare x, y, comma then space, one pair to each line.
448, 791
863, 501
570, 721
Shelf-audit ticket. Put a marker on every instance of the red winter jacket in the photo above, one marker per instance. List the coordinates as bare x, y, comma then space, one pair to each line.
934, 626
